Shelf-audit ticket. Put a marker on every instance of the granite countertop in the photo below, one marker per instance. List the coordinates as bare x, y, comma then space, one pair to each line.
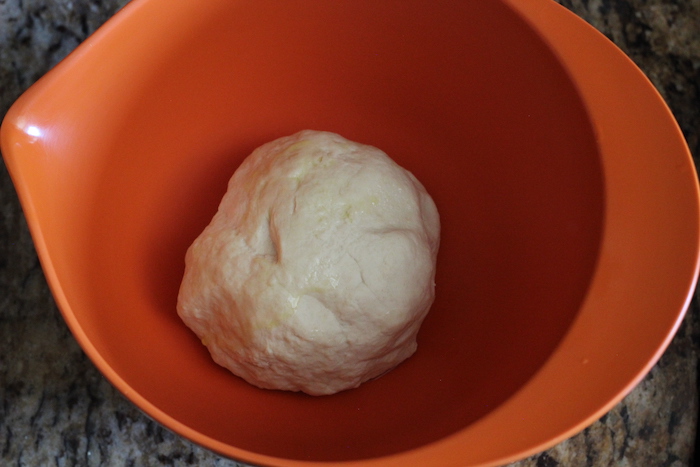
57, 409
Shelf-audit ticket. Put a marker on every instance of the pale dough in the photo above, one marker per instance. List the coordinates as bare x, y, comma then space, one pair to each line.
317, 270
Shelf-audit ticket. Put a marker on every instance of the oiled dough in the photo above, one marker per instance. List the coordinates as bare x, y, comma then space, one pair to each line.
318, 268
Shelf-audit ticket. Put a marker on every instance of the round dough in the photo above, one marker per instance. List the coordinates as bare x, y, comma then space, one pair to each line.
317, 270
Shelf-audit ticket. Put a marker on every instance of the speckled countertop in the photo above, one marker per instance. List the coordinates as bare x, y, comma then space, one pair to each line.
56, 408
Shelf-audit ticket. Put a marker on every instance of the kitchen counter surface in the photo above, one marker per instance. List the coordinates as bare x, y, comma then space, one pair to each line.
57, 409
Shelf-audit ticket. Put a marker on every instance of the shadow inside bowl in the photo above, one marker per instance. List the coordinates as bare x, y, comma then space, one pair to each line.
497, 134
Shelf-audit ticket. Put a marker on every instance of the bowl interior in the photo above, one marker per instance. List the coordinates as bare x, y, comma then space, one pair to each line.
467, 97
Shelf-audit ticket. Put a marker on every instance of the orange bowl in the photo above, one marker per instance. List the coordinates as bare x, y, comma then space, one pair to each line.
568, 200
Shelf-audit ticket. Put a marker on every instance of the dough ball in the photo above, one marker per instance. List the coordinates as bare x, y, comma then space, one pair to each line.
317, 270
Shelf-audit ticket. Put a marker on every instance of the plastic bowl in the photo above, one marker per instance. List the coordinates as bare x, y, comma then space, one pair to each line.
568, 200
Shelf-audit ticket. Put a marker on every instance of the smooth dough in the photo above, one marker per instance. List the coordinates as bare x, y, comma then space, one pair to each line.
317, 270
